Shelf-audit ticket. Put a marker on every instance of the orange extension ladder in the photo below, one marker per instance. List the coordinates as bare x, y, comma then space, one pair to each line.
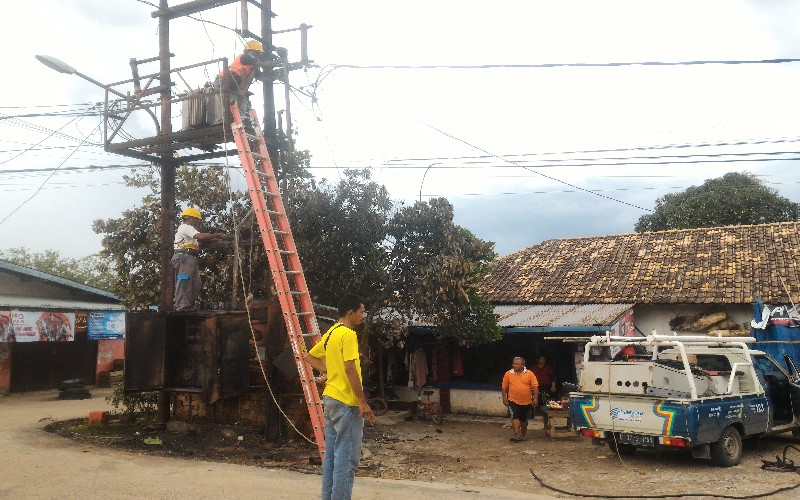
290, 283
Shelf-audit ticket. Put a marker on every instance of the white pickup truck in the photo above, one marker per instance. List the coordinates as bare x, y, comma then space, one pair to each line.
703, 394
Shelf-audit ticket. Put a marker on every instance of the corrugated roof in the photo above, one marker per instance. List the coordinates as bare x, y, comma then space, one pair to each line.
33, 273
731, 264
542, 316
49, 303
559, 315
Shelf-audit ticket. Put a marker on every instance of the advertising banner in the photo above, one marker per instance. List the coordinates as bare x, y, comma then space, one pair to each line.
47, 326
106, 325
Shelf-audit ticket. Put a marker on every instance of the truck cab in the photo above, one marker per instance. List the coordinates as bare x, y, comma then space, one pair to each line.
695, 392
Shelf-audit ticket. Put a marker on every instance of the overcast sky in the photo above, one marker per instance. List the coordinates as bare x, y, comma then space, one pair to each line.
515, 149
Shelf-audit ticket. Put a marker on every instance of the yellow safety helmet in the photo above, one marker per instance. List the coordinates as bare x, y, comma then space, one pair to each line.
254, 45
192, 212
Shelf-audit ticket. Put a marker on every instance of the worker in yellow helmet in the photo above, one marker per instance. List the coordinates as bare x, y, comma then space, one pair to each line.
187, 249
244, 69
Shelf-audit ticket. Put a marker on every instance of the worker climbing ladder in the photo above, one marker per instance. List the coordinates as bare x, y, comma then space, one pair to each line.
284, 263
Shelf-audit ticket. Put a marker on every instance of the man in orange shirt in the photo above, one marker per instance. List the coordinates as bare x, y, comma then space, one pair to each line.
520, 390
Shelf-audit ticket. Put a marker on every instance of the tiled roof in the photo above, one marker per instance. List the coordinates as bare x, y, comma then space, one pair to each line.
731, 264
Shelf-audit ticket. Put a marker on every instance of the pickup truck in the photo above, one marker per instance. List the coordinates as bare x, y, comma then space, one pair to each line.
699, 393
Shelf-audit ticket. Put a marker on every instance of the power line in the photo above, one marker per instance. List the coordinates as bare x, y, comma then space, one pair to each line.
562, 191
560, 65
52, 133
535, 172
51, 175
74, 169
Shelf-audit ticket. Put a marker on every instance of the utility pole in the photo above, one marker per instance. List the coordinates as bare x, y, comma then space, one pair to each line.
270, 126
167, 164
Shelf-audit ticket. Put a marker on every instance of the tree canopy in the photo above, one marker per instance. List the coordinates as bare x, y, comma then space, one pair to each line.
91, 270
733, 199
351, 237
131, 242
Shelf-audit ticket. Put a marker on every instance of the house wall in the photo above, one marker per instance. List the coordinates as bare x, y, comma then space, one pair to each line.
477, 401
649, 317
5, 368
107, 352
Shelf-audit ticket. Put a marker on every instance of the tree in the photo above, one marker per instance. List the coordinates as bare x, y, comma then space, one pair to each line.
406, 262
350, 237
92, 270
435, 266
733, 199
131, 242
340, 232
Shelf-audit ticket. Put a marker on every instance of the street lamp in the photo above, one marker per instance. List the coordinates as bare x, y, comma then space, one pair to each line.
423, 179
62, 67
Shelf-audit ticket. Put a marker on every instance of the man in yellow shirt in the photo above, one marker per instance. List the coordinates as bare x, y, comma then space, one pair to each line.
520, 390
343, 399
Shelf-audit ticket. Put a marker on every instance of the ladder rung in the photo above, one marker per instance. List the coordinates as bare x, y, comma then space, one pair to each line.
298, 292
268, 176
286, 252
309, 335
259, 156
291, 272
279, 232
303, 313
273, 212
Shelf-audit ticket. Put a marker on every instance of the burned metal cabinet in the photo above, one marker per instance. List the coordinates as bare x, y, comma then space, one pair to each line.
204, 352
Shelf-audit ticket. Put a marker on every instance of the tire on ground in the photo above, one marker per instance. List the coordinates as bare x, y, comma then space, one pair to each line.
727, 451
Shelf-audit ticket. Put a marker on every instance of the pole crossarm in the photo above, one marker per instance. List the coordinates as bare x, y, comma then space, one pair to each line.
188, 8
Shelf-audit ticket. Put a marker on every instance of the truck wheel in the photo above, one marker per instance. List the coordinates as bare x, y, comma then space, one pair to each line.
622, 449
727, 452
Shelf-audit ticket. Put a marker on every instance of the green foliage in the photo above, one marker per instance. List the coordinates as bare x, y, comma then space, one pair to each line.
730, 200
435, 267
92, 270
340, 231
133, 404
350, 236
131, 242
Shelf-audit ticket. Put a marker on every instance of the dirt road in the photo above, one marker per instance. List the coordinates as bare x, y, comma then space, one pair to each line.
37, 464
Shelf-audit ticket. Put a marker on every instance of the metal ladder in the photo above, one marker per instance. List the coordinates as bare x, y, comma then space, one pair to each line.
290, 282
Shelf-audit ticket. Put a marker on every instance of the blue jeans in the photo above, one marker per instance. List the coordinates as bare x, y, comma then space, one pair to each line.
344, 428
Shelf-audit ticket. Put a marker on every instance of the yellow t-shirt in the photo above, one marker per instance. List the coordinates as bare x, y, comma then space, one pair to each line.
342, 345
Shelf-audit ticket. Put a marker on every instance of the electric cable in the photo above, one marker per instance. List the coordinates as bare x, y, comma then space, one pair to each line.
562, 65
535, 172
652, 496
51, 175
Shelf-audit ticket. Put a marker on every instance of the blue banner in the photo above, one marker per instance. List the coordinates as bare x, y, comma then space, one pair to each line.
106, 325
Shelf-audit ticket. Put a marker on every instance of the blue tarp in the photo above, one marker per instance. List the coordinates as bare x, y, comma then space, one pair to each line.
776, 333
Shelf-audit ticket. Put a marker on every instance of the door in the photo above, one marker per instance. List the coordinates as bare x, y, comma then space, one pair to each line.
777, 386
144, 351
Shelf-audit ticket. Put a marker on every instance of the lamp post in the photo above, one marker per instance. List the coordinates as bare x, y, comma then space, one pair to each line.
423, 179
62, 67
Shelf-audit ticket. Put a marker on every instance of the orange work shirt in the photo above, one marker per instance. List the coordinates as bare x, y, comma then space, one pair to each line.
520, 386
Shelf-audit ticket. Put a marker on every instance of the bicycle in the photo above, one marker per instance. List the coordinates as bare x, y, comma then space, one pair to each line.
428, 408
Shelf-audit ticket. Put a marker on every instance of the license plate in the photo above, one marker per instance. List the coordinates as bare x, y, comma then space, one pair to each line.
637, 440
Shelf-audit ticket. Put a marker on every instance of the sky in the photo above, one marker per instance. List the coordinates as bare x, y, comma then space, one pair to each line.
524, 154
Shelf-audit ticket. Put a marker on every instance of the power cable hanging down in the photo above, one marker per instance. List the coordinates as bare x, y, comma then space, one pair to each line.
534, 171
651, 496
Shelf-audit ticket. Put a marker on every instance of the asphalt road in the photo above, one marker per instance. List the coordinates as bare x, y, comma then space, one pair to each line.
37, 464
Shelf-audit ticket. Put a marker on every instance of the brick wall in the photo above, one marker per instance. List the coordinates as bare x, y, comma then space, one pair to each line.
250, 409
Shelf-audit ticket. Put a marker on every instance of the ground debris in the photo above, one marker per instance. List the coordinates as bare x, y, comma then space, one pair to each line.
470, 453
